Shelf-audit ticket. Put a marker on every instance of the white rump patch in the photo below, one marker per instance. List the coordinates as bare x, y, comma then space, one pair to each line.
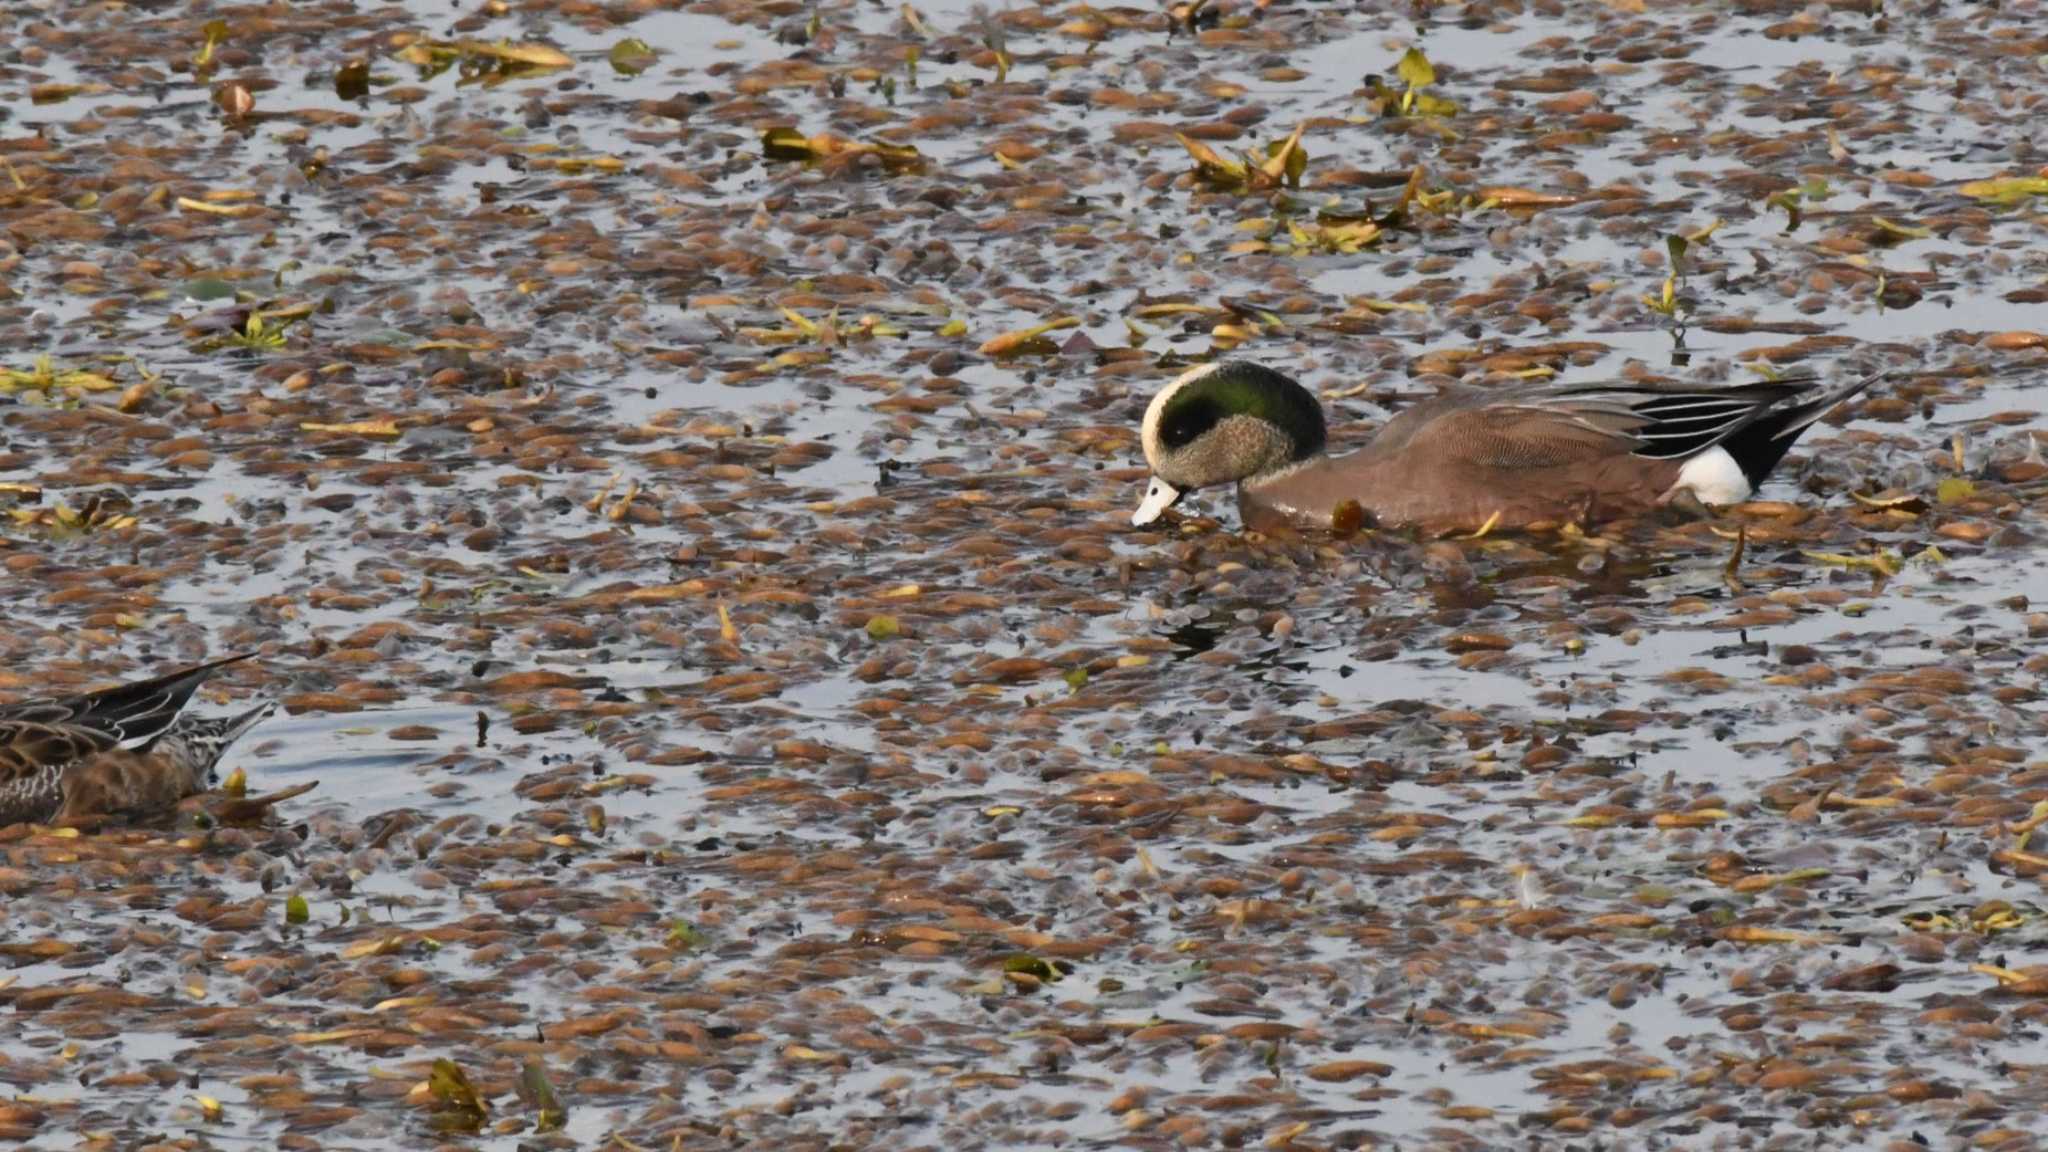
1158, 498
1714, 477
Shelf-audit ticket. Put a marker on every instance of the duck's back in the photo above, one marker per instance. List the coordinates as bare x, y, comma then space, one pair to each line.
1463, 459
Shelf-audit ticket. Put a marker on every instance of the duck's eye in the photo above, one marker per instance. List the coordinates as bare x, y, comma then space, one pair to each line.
1187, 421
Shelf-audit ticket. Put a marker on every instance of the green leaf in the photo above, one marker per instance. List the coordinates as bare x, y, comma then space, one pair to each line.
1032, 966
1297, 160
1903, 231
296, 910
1789, 201
2006, 189
352, 80
630, 57
1677, 245
682, 935
1424, 104
883, 627
1954, 490
1415, 69
539, 1094
452, 1090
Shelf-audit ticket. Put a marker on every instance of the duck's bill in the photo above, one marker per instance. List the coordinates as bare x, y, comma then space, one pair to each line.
1158, 498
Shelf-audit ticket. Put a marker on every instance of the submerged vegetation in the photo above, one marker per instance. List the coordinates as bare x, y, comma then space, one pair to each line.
675, 463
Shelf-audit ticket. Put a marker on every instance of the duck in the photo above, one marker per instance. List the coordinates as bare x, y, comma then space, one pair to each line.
1523, 456
126, 752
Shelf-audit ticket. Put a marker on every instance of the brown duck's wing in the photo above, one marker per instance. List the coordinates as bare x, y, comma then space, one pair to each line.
1512, 438
33, 760
130, 713
1562, 425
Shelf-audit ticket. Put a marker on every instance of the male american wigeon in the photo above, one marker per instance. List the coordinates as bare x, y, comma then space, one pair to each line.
119, 753
1470, 458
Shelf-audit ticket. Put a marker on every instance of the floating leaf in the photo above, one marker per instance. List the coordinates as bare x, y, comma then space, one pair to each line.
538, 1093
1907, 503
1880, 561
532, 55
386, 429
1028, 340
452, 1091
1527, 198
883, 627
212, 209
1954, 490
1286, 159
1347, 519
1284, 163
1415, 69
1421, 103
41, 94
2006, 189
215, 32
490, 64
786, 143
1676, 246
235, 99
46, 377
630, 57
296, 911
1213, 167
1032, 966
1889, 231
352, 80
209, 288
683, 936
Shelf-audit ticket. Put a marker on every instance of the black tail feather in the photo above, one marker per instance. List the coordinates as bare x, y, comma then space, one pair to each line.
1758, 446
127, 712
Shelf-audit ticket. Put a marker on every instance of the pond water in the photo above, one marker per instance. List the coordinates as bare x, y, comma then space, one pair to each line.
739, 701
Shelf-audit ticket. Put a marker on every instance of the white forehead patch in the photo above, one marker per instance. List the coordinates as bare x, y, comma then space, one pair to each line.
1148, 435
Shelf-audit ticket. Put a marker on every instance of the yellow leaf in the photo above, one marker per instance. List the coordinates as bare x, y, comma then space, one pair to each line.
336, 1036
1012, 343
1527, 198
1697, 818
1288, 161
1885, 562
529, 54
451, 1088
2007, 189
1212, 167
378, 947
1415, 69
191, 205
2002, 975
381, 429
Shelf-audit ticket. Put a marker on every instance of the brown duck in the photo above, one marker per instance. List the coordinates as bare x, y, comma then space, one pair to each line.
122, 753
1471, 458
